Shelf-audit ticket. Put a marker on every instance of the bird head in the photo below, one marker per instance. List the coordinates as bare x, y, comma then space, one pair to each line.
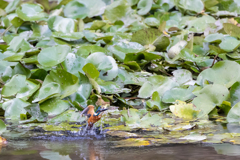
99, 110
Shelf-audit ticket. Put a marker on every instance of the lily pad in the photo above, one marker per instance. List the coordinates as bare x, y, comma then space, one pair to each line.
52, 56
156, 83
234, 113
184, 110
14, 107
209, 97
151, 36
31, 12
222, 72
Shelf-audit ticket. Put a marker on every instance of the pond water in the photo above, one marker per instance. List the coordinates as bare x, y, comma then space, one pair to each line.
95, 149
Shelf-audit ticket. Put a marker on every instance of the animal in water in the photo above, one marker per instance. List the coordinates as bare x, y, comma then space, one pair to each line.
93, 116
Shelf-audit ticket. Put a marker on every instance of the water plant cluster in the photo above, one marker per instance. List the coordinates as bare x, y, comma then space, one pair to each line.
170, 56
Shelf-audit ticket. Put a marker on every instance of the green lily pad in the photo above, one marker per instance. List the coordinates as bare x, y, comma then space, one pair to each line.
151, 36
231, 29
91, 71
216, 37
14, 108
20, 87
181, 94
52, 56
229, 44
54, 106
222, 72
233, 114
36, 113
85, 50
68, 82
209, 97
3, 127
122, 48
235, 93
117, 10
31, 12
70, 116
106, 64
60, 24
156, 83
144, 6
194, 5
81, 8
155, 103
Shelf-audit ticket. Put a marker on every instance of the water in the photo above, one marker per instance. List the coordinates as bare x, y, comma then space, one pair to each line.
94, 149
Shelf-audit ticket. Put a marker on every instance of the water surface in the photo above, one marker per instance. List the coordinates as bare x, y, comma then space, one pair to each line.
94, 149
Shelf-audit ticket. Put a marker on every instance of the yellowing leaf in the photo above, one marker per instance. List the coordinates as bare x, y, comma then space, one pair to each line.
183, 110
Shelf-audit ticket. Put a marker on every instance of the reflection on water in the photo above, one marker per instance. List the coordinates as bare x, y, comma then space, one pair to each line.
92, 149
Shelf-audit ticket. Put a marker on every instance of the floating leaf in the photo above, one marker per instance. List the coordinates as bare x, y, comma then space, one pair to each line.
222, 72
60, 24
31, 12
52, 56
183, 110
229, 44
68, 82
14, 108
231, 29
181, 94
194, 5
155, 103
151, 36
234, 113
81, 8
117, 10
156, 83
235, 93
144, 6
122, 48
209, 97
106, 64
20, 87
91, 71
54, 106
36, 113
3, 127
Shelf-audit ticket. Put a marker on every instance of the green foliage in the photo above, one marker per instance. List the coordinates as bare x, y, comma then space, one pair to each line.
63, 55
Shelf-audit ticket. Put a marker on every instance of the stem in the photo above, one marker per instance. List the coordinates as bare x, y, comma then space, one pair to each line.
197, 66
6, 30
165, 72
214, 60
61, 65
131, 98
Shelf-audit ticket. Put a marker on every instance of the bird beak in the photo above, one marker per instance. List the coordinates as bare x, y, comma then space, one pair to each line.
102, 110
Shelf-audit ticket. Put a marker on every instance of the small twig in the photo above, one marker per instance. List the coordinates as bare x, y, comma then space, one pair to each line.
131, 98
6, 30
197, 66
21, 64
61, 65
214, 60
129, 113
165, 72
